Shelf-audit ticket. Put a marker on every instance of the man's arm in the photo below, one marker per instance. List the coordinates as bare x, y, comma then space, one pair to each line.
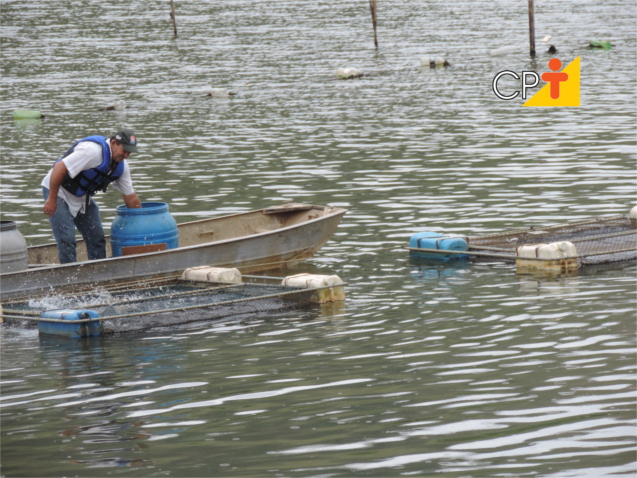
57, 176
132, 201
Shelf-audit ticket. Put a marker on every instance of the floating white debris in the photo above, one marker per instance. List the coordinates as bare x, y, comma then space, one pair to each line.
434, 61
547, 38
220, 93
347, 73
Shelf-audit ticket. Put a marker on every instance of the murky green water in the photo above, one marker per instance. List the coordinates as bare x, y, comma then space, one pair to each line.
465, 370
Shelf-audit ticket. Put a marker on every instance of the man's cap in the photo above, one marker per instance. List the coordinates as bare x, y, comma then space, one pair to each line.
128, 139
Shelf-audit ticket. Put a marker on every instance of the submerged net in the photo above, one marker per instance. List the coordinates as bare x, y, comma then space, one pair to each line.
597, 241
168, 304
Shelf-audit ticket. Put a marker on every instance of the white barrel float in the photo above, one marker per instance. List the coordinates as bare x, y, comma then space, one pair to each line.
329, 288
348, 73
13, 248
633, 216
70, 323
212, 274
554, 257
434, 61
436, 245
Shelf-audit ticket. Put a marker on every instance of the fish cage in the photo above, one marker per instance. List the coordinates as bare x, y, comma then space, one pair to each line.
165, 302
559, 248
596, 241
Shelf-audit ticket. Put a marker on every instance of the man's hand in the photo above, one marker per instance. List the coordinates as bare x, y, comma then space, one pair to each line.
50, 206
57, 175
132, 201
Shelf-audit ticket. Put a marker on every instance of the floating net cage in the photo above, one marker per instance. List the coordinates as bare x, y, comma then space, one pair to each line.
165, 303
598, 241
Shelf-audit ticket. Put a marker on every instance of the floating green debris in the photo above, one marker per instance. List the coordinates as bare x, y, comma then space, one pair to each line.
601, 44
27, 114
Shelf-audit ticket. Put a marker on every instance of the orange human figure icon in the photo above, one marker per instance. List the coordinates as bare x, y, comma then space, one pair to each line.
555, 77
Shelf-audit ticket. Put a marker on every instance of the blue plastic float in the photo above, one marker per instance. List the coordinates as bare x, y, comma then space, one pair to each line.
434, 241
70, 323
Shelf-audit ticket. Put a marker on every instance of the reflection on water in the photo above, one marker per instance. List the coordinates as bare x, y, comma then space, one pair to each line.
462, 369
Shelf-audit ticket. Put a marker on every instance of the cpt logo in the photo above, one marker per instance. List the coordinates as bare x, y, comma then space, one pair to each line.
562, 87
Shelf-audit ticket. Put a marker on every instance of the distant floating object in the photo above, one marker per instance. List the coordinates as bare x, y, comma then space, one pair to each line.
547, 38
220, 93
348, 73
552, 49
506, 50
434, 61
27, 114
601, 44
119, 105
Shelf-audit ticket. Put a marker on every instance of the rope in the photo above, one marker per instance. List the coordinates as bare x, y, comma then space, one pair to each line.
165, 296
468, 253
574, 240
603, 236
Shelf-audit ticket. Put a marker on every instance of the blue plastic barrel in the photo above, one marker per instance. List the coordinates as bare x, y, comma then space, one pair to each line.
140, 230
439, 242
70, 323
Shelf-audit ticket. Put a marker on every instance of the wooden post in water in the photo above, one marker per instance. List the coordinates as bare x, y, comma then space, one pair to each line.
531, 28
372, 7
172, 17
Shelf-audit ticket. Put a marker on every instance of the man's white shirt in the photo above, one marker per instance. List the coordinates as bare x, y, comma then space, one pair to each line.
88, 155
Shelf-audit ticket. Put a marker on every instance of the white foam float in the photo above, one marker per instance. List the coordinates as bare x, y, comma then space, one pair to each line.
556, 257
213, 274
330, 288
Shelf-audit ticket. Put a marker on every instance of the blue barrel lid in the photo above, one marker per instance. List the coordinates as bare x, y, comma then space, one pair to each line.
147, 208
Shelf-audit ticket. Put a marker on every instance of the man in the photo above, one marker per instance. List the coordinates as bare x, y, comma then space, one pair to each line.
90, 165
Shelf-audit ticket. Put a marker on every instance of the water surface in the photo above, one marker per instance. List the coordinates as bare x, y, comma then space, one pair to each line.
459, 370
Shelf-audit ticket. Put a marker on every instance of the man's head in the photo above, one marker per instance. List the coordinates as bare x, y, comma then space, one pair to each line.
123, 143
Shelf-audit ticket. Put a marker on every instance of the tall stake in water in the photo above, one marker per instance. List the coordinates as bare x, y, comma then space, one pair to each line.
531, 28
172, 17
372, 7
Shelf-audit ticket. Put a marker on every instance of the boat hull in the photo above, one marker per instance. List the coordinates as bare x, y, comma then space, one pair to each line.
253, 242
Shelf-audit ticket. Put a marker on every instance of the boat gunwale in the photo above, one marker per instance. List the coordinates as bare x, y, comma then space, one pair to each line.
329, 211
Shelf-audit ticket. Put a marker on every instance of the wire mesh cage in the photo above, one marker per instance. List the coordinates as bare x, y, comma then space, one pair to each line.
165, 303
597, 241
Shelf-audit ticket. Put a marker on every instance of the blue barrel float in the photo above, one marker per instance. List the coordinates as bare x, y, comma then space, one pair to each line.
70, 323
147, 229
435, 242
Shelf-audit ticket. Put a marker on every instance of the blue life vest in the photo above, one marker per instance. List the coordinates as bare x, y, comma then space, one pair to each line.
96, 179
